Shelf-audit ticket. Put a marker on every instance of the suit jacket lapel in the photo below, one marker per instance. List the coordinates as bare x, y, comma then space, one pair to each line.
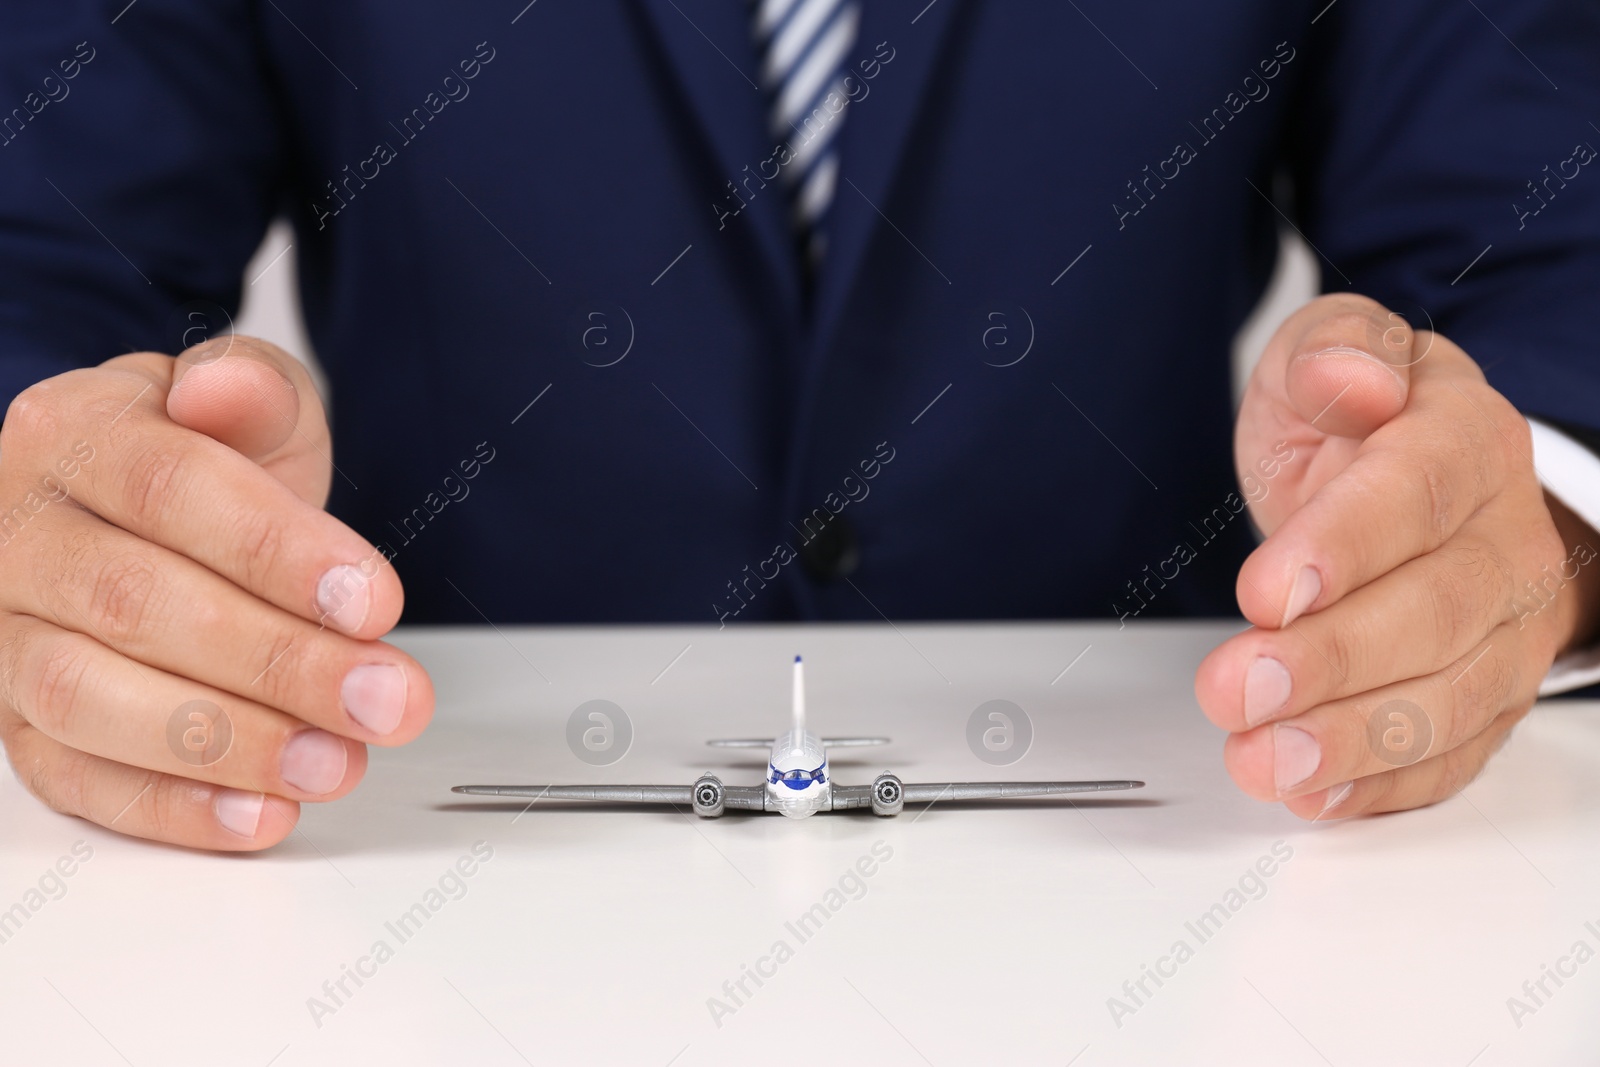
873, 141
706, 43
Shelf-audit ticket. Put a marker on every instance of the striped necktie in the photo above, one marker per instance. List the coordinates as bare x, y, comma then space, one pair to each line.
806, 45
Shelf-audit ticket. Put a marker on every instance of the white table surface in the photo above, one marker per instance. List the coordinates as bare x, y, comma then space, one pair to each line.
988, 935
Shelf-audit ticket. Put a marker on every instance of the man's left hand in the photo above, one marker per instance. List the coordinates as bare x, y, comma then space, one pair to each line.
1415, 584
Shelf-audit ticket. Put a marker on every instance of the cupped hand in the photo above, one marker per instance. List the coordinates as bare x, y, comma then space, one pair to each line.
1415, 583
187, 639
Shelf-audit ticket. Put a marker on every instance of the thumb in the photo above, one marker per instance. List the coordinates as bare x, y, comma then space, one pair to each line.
1349, 365
260, 401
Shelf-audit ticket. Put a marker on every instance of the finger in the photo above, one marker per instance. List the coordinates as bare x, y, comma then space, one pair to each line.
1349, 364
1424, 783
141, 803
161, 609
89, 698
260, 401
196, 496
1411, 487
1377, 731
1411, 622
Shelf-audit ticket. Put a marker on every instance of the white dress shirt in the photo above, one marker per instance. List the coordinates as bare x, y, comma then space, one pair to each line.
1570, 473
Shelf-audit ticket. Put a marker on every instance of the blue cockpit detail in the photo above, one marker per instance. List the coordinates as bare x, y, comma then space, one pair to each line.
798, 779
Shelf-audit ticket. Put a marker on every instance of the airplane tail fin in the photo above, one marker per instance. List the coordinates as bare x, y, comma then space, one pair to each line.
799, 697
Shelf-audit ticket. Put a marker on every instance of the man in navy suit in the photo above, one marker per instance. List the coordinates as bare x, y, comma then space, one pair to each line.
659, 310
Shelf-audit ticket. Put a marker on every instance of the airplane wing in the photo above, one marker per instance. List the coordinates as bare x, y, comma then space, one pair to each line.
740, 798
862, 796
742, 742
927, 792
852, 742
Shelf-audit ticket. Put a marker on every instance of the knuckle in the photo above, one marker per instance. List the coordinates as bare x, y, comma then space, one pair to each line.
283, 668
152, 482
53, 680
34, 415
1345, 648
263, 542
1467, 591
123, 595
55, 775
1480, 691
1436, 497
13, 654
22, 752
64, 784
161, 797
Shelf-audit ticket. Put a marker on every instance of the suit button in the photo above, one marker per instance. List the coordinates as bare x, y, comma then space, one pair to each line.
834, 553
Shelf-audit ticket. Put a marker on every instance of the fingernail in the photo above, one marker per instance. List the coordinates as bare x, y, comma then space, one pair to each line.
1296, 756
1336, 796
374, 695
1266, 689
239, 812
314, 761
344, 596
1342, 352
1307, 587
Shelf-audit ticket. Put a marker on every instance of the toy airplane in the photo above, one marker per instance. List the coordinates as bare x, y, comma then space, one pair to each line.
797, 783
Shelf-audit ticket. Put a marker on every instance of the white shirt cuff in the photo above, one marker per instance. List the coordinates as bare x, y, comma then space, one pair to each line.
1570, 473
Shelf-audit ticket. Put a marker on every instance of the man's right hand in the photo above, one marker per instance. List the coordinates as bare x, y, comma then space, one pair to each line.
164, 554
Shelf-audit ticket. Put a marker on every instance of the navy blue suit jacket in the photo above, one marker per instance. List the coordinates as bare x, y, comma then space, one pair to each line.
1011, 378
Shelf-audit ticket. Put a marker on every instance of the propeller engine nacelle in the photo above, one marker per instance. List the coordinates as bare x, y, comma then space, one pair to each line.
709, 796
888, 795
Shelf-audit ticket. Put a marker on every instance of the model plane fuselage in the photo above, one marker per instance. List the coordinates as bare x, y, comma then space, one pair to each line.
797, 775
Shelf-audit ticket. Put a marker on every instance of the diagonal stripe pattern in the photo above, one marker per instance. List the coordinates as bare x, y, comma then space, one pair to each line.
805, 46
